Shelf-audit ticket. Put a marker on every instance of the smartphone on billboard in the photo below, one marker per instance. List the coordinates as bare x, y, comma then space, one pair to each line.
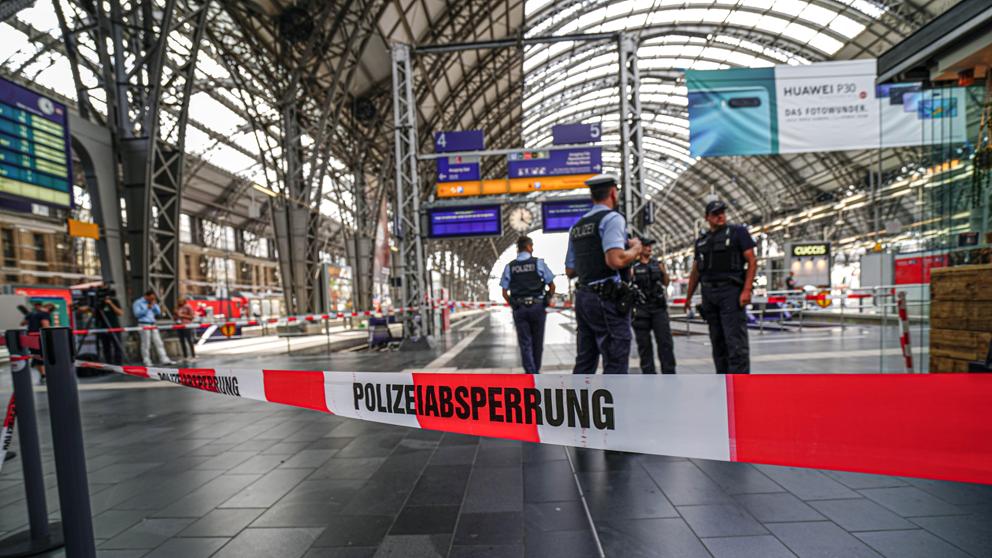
938, 107
730, 122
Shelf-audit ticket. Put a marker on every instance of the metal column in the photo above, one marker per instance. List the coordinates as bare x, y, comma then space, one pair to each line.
411, 266
134, 44
634, 200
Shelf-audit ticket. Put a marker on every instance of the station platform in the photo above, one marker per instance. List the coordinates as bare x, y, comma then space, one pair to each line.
180, 472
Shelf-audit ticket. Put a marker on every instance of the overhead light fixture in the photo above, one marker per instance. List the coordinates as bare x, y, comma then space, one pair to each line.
265, 190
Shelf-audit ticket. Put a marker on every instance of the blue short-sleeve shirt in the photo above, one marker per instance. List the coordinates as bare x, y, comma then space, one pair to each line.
542, 270
613, 231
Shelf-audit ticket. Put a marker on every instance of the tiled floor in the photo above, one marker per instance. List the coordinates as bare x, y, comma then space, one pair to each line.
181, 473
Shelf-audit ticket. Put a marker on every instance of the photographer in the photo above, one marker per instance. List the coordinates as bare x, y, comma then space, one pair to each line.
108, 316
146, 310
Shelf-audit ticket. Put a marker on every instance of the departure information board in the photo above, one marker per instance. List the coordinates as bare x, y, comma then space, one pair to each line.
35, 158
586, 160
560, 215
476, 220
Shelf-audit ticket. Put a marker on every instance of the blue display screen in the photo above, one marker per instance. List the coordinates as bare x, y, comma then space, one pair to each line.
479, 220
559, 216
35, 161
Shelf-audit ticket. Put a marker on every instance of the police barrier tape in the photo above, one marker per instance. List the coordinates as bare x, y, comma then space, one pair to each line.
7, 432
932, 426
285, 320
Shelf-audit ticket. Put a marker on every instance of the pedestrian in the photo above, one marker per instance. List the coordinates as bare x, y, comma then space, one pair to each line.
34, 321
184, 316
790, 281
146, 310
523, 282
597, 249
651, 312
108, 316
724, 263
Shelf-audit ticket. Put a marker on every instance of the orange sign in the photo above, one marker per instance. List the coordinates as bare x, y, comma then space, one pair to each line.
82, 229
498, 186
228, 330
823, 299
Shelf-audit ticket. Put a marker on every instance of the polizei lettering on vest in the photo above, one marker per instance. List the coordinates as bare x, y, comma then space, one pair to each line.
227, 385
581, 408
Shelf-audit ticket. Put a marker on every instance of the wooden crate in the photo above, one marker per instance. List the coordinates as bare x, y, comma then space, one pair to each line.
944, 365
966, 283
960, 316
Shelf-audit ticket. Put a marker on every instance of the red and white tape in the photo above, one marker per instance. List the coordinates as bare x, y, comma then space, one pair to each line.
933, 426
312, 318
7, 432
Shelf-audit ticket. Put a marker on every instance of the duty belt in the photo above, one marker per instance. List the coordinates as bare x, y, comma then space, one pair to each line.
527, 301
721, 282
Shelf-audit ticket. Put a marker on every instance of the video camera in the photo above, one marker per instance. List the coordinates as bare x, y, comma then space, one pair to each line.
93, 296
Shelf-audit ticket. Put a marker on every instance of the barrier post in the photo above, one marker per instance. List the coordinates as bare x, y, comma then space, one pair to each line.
41, 536
67, 441
907, 351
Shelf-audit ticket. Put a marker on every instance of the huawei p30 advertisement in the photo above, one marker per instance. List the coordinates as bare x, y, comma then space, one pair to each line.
828, 106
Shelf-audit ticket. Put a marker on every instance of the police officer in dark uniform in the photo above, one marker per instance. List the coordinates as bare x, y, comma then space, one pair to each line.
597, 249
651, 312
523, 283
725, 264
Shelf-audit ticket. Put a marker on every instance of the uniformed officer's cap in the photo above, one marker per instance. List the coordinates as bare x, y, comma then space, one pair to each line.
647, 241
715, 206
602, 181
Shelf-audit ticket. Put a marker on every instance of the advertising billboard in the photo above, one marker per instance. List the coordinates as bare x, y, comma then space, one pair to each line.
35, 158
827, 106
810, 262
560, 215
476, 220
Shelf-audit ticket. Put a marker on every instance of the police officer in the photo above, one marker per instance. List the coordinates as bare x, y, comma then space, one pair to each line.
597, 249
651, 312
523, 285
724, 263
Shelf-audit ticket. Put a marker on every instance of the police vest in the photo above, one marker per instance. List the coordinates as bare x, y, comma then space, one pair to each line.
587, 246
649, 279
718, 256
525, 281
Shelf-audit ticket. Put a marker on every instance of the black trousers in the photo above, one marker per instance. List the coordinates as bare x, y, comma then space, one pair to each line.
529, 322
648, 321
110, 347
728, 328
601, 329
186, 340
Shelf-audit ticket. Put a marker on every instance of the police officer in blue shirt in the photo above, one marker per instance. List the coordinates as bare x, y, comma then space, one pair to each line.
597, 250
523, 285
725, 264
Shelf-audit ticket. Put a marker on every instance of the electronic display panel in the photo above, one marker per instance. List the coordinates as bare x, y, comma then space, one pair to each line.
585, 160
35, 158
476, 220
560, 215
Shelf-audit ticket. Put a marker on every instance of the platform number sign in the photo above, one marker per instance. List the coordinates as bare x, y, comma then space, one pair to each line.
459, 140
565, 134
